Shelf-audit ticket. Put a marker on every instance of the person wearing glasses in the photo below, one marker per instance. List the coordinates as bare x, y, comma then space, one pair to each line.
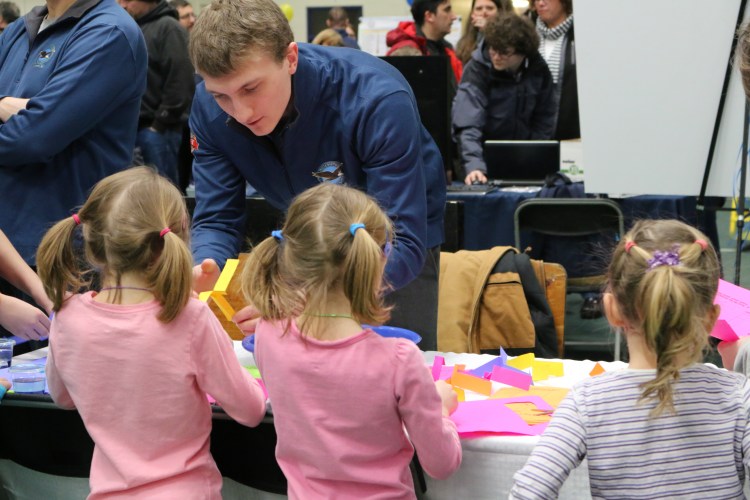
286, 117
9, 12
506, 93
185, 13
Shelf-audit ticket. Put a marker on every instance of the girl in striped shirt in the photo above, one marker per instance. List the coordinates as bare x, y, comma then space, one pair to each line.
669, 425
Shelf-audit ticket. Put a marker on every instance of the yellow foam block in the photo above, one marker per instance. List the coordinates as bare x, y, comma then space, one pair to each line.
226, 275
225, 307
203, 296
521, 362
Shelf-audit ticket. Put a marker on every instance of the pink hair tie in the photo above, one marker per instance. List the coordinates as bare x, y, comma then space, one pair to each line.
164, 231
628, 245
77, 219
702, 244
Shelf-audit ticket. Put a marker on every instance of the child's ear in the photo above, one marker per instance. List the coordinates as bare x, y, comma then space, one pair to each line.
612, 311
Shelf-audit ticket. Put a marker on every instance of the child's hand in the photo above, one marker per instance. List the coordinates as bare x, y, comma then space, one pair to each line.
448, 395
205, 275
5, 382
728, 351
247, 319
23, 319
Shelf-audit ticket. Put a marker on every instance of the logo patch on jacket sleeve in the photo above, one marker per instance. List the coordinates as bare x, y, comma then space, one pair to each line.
330, 171
44, 56
193, 143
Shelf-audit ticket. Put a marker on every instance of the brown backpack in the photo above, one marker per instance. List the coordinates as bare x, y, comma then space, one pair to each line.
485, 303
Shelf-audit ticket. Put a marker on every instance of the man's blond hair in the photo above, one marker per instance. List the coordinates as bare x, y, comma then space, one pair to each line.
227, 31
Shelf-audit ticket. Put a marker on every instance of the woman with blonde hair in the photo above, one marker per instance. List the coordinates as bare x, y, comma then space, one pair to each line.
329, 37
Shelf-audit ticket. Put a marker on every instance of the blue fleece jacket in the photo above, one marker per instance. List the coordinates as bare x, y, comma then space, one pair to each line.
84, 76
353, 111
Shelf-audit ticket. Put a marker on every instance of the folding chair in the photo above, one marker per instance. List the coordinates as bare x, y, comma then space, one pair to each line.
572, 217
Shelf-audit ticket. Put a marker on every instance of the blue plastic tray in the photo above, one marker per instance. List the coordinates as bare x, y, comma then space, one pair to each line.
385, 331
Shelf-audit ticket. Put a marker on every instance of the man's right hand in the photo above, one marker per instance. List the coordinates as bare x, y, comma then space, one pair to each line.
205, 275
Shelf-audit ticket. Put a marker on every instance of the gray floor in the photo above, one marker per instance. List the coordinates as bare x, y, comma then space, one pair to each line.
594, 339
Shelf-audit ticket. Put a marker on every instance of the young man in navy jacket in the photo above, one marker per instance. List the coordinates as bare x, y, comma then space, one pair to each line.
285, 117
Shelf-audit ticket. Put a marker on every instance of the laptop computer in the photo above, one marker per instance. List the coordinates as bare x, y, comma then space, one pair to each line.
521, 163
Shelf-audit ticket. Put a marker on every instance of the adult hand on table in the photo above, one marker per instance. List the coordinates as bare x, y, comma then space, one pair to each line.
476, 176
205, 275
247, 319
449, 397
23, 319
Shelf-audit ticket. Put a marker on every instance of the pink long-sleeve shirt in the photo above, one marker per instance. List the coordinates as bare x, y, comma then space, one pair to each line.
140, 387
340, 409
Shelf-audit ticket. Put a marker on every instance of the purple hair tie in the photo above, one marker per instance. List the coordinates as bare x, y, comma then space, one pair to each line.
664, 258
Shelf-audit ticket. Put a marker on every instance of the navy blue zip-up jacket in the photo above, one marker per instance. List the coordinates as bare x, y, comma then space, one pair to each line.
84, 76
355, 112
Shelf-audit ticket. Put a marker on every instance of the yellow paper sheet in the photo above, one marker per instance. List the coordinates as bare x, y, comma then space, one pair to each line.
521, 362
226, 275
224, 305
542, 370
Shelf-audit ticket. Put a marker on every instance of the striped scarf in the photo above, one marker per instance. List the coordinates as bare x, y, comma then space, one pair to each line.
554, 37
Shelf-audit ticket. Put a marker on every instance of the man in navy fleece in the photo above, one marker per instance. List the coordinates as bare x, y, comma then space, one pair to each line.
71, 77
285, 117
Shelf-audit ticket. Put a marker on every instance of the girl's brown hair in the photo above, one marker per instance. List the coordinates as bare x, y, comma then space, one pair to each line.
289, 276
664, 276
121, 223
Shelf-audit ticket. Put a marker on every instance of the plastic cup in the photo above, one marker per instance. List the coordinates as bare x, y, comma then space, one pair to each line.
6, 351
28, 377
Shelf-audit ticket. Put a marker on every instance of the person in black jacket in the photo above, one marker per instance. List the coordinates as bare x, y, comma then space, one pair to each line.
554, 24
169, 88
506, 93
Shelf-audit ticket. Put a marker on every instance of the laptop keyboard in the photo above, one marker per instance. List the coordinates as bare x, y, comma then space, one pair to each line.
471, 188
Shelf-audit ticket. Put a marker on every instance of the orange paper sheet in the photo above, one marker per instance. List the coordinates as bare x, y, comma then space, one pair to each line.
472, 383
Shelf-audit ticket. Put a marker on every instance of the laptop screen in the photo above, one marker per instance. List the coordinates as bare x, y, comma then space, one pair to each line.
527, 161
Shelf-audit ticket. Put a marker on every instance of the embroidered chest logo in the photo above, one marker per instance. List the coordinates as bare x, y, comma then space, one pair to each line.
44, 56
330, 171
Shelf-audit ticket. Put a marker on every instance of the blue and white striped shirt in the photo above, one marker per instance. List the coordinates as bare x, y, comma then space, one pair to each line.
700, 451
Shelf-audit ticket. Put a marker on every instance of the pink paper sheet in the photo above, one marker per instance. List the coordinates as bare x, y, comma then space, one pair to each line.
734, 318
493, 416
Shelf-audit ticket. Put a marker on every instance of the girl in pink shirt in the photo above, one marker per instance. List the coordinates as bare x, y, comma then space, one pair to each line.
350, 407
137, 358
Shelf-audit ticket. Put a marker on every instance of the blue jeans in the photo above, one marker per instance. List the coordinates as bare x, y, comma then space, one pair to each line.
160, 150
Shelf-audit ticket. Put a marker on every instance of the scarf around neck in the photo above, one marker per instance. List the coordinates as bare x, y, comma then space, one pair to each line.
556, 32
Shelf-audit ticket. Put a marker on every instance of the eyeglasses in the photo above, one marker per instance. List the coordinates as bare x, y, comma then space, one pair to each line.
506, 53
